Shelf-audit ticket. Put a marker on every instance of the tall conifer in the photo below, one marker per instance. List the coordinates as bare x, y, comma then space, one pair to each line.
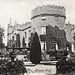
35, 50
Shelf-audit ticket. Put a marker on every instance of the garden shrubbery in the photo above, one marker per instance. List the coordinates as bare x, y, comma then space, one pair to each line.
64, 66
13, 68
16, 67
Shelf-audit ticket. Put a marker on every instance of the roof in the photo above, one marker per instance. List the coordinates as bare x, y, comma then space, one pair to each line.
22, 26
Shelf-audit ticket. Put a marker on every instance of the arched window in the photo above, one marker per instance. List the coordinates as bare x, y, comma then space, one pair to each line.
12, 38
25, 34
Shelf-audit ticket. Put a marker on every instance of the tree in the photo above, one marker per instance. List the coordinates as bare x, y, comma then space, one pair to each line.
23, 43
35, 49
2, 32
2, 45
18, 43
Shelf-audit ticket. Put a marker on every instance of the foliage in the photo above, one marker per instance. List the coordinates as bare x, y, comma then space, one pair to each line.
2, 65
2, 32
16, 67
2, 45
54, 34
2, 69
35, 49
13, 68
18, 43
61, 54
69, 66
12, 55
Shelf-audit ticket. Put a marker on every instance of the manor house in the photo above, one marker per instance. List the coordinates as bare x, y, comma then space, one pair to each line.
41, 17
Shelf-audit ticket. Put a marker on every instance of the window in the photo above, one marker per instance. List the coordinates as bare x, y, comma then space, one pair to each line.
12, 38
56, 18
43, 18
33, 20
25, 35
43, 30
42, 38
72, 32
29, 31
43, 46
33, 30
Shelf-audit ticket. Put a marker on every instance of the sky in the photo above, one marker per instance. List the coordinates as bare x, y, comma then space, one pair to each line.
20, 11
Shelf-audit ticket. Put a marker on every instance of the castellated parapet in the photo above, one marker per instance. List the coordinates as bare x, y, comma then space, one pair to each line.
52, 10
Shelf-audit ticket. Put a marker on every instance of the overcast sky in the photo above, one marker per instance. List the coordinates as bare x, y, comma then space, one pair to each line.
20, 10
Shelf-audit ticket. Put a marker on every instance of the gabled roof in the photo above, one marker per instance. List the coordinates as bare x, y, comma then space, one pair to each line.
22, 26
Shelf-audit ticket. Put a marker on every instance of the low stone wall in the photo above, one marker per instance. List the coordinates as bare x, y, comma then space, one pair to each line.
40, 69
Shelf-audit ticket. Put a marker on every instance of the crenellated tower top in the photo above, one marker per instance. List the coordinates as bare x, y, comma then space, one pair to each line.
49, 10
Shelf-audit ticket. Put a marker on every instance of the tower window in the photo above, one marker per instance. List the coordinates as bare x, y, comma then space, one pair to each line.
29, 31
56, 18
43, 18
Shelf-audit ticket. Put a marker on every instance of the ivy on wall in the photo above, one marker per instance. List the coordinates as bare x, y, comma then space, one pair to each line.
54, 34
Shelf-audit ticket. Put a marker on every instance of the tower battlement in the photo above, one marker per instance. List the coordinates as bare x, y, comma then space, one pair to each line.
70, 26
48, 9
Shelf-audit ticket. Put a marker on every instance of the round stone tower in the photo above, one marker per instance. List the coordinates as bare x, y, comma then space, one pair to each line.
43, 16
